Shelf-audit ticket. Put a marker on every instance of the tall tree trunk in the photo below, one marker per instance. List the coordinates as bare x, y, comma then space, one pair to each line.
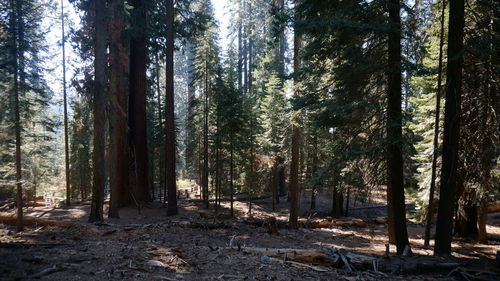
206, 195
240, 55
16, 23
118, 100
395, 181
314, 167
295, 161
99, 101
448, 187
250, 48
430, 204
231, 170
161, 148
191, 92
137, 104
65, 101
279, 60
170, 121
488, 149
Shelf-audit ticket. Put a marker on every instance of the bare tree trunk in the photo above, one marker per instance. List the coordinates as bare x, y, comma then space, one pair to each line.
240, 53
231, 171
170, 121
65, 101
448, 190
206, 195
99, 101
137, 104
118, 99
295, 161
430, 205
395, 181
191, 92
16, 33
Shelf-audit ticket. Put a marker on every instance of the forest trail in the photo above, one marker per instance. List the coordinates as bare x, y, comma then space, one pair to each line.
194, 246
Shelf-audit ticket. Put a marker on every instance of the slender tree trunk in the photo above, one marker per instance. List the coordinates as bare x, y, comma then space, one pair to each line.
245, 61
137, 104
16, 26
314, 167
99, 101
395, 181
231, 171
240, 56
118, 98
191, 92
217, 166
448, 188
161, 148
66, 136
430, 205
295, 161
170, 121
250, 48
205, 138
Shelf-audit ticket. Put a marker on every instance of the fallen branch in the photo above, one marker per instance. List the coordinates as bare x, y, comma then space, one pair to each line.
29, 221
48, 271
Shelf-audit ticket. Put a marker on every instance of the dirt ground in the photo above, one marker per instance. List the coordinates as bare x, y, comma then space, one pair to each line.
151, 246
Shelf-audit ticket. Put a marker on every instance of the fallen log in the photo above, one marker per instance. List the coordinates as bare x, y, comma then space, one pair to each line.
29, 221
309, 256
307, 224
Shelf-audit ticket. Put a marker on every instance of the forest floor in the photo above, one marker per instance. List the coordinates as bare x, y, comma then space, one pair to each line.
194, 246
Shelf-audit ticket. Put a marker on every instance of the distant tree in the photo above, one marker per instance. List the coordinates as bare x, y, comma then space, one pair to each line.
295, 144
170, 122
65, 101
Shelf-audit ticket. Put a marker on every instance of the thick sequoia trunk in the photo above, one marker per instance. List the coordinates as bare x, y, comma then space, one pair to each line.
395, 184
137, 105
448, 187
118, 115
99, 101
170, 122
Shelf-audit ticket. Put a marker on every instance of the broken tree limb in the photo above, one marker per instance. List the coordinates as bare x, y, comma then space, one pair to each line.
301, 265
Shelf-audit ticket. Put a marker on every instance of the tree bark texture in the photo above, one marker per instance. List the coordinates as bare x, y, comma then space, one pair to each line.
395, 181
137, 104
448, 188
118, 112
99, 110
